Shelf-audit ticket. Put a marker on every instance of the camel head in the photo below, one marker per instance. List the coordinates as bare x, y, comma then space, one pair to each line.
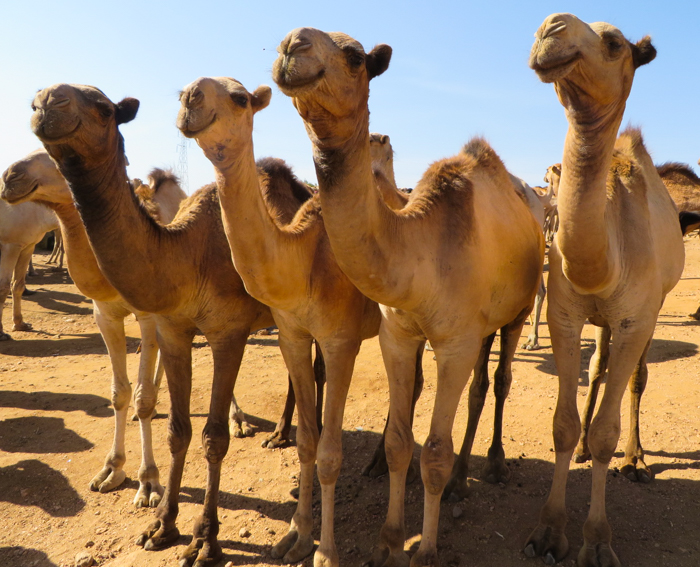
34, 178
215, 110
80, 123
553, 177
327, 76
591, 65
380, 148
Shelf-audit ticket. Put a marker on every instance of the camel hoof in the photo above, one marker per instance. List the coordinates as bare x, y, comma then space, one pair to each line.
581, 456
425, 559
201, 553
275, 441
495, 472
107, 479
695, 315
5, 337
293, 547
22, 326
637, 473
597, 555
531, 345
529, 551
544, 542
457, 488
326, 559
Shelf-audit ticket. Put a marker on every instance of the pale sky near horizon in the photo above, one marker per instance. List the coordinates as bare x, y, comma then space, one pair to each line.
459, 69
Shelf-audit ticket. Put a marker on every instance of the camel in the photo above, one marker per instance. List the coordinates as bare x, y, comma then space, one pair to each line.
182, 273
58, 253
549, 201
290, 267
437, 271
21, 229
617, 253
162, 194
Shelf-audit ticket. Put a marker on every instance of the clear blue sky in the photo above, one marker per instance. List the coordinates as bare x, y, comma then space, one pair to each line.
459, 69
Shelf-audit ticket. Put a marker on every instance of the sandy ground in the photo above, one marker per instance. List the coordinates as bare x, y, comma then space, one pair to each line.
56, 427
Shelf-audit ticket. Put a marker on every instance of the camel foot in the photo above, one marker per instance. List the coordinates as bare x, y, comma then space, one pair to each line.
276, 440
5, 337
156, 537
695, 315
56, 269
597, 555
293, 547
21, 326
552, 546
428, 558
581, 454
637, 471
107, 479
27, 292
531, 344
496, 471
148, 495
201, 553
326, 558
382, 557
240, 430
457, 487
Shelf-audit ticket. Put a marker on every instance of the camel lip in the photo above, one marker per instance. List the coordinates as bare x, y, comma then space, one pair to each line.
44, 137
551, 71
14, 198
190, 132
291, 85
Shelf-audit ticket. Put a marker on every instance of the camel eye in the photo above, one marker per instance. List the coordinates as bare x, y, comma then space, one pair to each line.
355, 59
240, 100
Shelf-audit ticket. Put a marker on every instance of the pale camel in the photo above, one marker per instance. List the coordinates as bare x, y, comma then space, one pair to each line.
617, 253
290, 267
182, 273
36, 178
162, 194
58, 253
549, 200
21, 228
439, 274
382, 156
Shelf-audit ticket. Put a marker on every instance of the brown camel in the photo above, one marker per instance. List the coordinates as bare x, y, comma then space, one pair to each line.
290, 267
21, 229
441, 274
617, 253
182, 273
162, 195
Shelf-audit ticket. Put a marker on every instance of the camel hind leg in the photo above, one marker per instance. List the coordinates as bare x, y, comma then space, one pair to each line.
9, 255
532, 342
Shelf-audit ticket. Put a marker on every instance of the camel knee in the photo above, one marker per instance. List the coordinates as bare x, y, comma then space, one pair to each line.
215, 440
603, 438
145, 406
18, 287
121, 394
436, 459
179, 434
329, 460
307, 443
567, 429
4, 290
501, 383
398, 446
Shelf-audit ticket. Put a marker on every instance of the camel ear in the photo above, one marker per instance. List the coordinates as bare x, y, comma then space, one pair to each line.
385, 139
125, 111
643, 52
260, 97
377, 60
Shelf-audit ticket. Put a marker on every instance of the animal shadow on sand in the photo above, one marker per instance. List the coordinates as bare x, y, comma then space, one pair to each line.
83, 343
35, 434
95, 406
49, 489
17, 555
61, 301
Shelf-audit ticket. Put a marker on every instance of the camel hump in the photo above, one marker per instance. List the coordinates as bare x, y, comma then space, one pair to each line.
673, 168
159, 177
202, 200
630, 144
483, 154
283, 180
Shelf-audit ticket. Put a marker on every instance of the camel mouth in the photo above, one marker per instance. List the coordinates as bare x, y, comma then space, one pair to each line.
14, 198
54, 138
190, 130
292, 84
550, 71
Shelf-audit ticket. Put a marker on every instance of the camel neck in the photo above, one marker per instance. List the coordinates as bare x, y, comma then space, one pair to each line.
125, 240
584, 237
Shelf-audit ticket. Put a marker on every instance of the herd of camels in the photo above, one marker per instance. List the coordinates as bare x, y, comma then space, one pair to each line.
452, 263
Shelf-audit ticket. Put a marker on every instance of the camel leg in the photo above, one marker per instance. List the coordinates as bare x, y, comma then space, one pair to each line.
280, 436
596, 372
627, 348
20, 277
9, 255
176, 351
455, 361
150, 490
532, 342
495, 470
635, 469
111, 325
296, 350
378, 465
341, 357
227, 352
548, 539
320, 378
457, 485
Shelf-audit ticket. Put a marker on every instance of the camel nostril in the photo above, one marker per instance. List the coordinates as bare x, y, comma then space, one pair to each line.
61, 103
299, 44
553, 28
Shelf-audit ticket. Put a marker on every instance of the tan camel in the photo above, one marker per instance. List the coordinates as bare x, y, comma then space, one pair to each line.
441, 275
21, 228
161, 196
36, 178
58, 253
617, 253
290, 267
181, 272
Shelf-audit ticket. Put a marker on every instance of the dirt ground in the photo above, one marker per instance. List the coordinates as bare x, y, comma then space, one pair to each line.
56, 427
